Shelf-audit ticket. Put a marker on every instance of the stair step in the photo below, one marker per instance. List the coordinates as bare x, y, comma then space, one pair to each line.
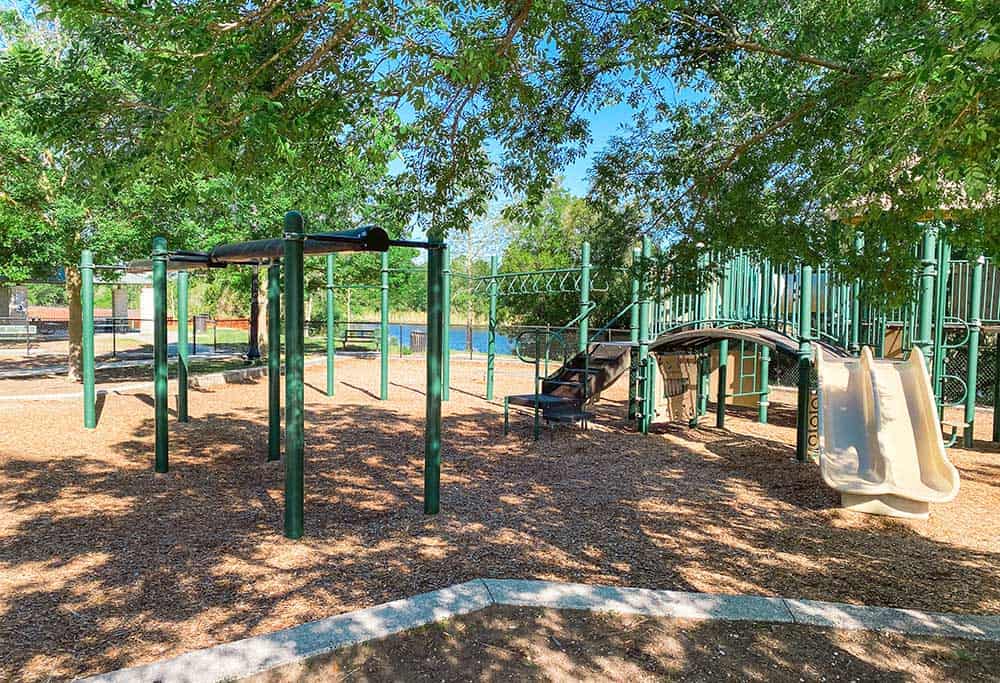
568, 416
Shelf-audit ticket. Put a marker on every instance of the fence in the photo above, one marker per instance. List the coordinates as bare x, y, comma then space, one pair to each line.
784, 371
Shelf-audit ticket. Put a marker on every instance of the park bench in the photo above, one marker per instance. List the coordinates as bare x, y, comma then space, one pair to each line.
359, 335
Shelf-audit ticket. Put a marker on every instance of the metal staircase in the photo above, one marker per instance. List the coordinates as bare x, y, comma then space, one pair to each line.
565, 394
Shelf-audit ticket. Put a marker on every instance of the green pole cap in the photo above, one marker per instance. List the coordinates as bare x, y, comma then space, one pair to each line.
295, 225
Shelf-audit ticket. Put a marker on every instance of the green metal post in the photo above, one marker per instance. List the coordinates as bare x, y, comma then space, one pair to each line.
765, 390
87, 345
183, 359
703, 370
446, 324
996, 387
723, 379
294, 381
383, 392
331, 386
859, 243
432, 425
633, 330
160, 352
491, 346
975, 329
646, 396
940, 306
274, 361
584, 327
925, 307
764, 315
805, 362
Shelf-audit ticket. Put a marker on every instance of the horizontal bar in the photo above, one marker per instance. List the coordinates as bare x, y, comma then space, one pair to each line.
416, 244
361, 239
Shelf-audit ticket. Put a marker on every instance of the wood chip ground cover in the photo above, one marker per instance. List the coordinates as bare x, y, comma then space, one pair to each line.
509, 644
104, 564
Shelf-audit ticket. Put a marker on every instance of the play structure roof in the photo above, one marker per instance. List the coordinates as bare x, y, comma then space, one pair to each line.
695, 340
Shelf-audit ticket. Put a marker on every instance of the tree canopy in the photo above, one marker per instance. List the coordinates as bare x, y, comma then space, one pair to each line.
810, 120
776, 126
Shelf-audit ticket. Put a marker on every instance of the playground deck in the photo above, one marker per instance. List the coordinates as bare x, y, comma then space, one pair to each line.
104, 564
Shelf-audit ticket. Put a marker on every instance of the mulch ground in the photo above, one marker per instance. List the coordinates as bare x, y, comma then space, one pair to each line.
104, 564
516, 644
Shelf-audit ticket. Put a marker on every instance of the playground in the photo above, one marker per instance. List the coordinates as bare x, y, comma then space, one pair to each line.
105, 565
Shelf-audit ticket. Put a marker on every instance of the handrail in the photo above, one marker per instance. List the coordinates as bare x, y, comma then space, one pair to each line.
607, 325
554, 334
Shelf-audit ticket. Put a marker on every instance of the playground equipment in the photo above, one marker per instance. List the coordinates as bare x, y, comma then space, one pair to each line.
879, 435
282, 254
382, 340
582, 371
817, 305
755, 307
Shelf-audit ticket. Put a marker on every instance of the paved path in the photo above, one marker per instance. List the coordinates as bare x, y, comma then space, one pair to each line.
261, 653
62, 368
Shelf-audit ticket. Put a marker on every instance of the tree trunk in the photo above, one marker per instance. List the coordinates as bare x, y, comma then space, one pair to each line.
75, 356
262, 317
253, 341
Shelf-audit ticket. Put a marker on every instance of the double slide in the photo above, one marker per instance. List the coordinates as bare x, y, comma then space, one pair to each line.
880, 437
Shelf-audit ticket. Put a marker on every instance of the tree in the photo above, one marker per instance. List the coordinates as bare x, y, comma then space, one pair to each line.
299, 85
548, 235
74, 180
805, 121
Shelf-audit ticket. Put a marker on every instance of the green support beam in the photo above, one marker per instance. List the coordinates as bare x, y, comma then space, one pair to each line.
940, 307
584, 327
975, 330
725, 284
805, 362
633, 331
294, 381
160, 353
274, 361
331, 386
996, 386
855, 345
491, 345
183, 356
87, 343
446, 324
703, 369
645, 394
925, 307
383, 391
765, 388
432, 424
765, 318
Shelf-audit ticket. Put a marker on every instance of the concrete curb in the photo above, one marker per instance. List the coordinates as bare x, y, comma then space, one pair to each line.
676, 604
254, 655
250, 656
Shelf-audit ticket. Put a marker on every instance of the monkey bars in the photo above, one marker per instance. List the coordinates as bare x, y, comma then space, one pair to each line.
285, 253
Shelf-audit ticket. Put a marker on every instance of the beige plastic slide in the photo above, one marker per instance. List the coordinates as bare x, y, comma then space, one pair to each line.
879, 435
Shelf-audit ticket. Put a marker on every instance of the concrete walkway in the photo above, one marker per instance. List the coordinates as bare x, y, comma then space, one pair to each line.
62, 368
242, 658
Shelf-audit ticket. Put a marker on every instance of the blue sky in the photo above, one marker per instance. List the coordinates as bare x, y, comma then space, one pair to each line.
604, 125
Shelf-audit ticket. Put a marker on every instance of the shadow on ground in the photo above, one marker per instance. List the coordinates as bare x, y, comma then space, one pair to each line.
107, 564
